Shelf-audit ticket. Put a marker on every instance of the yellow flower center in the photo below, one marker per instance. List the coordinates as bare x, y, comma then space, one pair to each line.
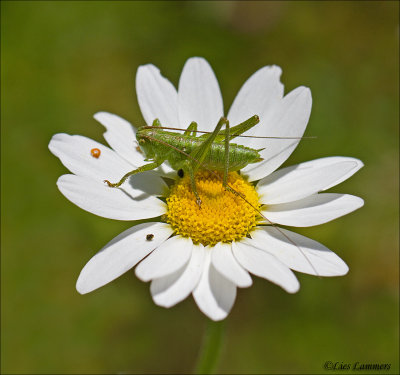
223, 216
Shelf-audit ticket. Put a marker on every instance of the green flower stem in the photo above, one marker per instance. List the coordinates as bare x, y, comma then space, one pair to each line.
211, 348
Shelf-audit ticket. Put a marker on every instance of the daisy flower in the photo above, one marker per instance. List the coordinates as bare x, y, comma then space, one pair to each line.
211, 251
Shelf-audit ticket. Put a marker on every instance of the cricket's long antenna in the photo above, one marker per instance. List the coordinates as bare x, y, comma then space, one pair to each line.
242, 136
280, 231
239, 195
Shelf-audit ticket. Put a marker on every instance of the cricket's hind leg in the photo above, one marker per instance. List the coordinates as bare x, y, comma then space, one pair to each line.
226, 161
143, 168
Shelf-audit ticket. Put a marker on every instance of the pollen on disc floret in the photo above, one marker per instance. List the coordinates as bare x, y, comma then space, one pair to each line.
223, 216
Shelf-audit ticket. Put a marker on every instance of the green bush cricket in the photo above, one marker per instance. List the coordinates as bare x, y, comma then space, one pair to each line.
187, 153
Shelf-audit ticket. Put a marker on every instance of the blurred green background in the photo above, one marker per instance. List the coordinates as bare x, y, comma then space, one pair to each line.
63, 61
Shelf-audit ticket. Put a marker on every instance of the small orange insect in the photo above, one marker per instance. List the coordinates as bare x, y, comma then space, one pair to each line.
95, 152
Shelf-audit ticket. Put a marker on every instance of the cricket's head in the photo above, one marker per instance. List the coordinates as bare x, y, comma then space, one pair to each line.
145, 138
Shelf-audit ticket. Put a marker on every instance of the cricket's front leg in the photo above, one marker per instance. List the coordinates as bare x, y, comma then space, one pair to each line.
191, 129
194, 189
187, 167
143, 168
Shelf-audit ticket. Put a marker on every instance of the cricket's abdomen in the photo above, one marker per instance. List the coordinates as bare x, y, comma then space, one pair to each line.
239, 156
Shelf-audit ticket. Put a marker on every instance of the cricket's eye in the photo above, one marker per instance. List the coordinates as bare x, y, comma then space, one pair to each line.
95, 152
181, 173
224, 216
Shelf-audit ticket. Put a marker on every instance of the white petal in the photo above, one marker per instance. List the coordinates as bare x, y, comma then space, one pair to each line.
120, 255
302, 180
288, 118
166, 259
261, 92
104, 201
298, 252
199, 95
314, 210
157, 96
265, 265
214, 293
224, 262
167, 291
121, 136
74, 152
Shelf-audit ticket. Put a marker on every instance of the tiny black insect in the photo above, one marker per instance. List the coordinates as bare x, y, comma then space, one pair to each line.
180, 173
149, 237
